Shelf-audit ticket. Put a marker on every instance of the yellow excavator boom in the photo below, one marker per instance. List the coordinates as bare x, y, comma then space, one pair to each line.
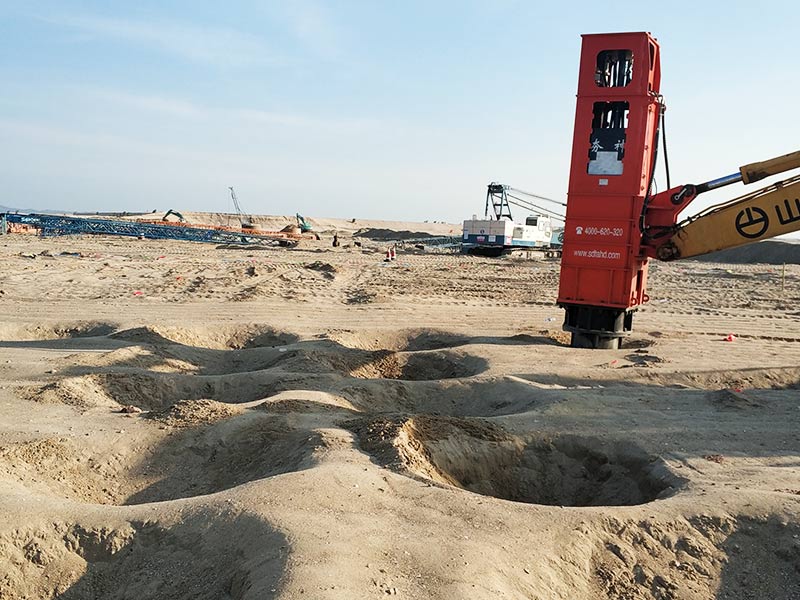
760, 170
769, 212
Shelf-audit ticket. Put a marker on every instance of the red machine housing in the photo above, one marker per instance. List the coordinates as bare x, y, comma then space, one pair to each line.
603, 266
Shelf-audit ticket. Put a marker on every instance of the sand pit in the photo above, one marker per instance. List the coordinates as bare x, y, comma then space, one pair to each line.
400, 340
216, 338
484, 459
316, 423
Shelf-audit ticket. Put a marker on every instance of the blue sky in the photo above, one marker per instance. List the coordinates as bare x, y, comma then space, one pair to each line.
394, 110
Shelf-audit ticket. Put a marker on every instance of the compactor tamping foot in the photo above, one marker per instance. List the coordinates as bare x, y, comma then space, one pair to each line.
597, 327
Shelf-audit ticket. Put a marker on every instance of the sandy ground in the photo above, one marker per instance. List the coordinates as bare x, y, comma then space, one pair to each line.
182, 421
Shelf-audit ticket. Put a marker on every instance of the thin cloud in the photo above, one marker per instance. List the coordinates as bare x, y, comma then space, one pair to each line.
174, 107
247, 117
301, 121
209, 45
312, 25
47, 136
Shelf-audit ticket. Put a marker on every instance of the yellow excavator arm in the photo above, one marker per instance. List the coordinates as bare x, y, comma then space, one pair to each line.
771, 211
766, 213
760, 170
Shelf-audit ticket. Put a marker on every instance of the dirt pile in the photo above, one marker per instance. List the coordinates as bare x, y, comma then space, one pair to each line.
384, 235
209, 450
770, 252
191, 413
204, 555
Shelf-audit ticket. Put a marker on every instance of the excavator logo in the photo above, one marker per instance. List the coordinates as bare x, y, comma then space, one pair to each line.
752, 225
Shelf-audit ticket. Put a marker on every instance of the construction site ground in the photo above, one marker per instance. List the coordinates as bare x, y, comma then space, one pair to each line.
182, 421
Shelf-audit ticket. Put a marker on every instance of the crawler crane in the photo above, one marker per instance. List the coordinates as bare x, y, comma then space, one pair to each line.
245, 221
614, 224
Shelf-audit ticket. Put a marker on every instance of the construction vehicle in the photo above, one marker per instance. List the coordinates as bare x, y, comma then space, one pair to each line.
615, 222
305, 226
556, 243
497, 233
245, 221
174, 213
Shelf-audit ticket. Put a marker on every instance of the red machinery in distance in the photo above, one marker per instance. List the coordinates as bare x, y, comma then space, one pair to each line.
613, 223
603, 271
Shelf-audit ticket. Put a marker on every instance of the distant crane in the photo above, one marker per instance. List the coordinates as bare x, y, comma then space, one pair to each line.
245, 221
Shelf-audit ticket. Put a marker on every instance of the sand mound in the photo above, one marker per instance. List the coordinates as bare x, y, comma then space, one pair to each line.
150, 390
383, 235
770, 252
190, 413
304, 401
55, 331
420, 367
174, 358
482, 458
402, 340
205, 556
51, 465
219, 338
776, 378
211, 450
156, 391
327, 270
703, 556
385, 364
156, 377
221, 456
145, 357
82, 392
482, 396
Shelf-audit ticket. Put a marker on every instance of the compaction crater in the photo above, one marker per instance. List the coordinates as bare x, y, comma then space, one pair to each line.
483, 458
